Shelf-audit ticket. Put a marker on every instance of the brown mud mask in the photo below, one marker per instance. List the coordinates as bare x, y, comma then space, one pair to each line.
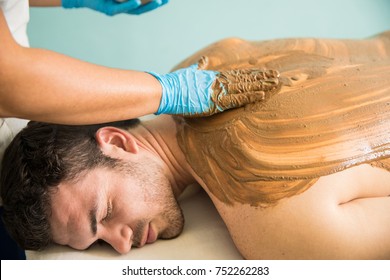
331, 112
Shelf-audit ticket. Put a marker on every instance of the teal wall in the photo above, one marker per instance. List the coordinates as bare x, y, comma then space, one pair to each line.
159, 40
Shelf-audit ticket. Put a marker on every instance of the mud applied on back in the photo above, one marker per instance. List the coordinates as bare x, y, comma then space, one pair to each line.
329, 111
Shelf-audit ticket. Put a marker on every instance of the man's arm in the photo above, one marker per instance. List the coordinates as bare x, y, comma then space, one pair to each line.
46, 86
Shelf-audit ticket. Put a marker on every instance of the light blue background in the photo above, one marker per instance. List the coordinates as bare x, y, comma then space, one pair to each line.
160, 39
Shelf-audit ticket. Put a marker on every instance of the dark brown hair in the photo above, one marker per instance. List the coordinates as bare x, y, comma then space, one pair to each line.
38, 159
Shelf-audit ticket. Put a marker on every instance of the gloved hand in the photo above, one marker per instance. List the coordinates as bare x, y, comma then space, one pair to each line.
193, 92
112, 7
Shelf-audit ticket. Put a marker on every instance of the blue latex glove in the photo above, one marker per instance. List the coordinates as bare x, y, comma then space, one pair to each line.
112, 7
193, 92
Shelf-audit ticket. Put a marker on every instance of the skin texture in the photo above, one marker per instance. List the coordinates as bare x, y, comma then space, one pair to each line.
305, 173
342, 216
48, 88
302, 174
331, 112
132, 207
129, 212
59, 89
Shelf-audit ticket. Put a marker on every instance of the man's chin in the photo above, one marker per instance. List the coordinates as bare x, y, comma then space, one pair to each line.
172, 232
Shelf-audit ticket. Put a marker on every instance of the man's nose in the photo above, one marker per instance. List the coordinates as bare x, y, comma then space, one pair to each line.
120, 238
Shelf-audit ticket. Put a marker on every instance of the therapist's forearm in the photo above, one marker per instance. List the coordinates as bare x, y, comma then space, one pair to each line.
45, 3
46, 86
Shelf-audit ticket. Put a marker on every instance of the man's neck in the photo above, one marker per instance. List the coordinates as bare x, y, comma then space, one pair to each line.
158, 136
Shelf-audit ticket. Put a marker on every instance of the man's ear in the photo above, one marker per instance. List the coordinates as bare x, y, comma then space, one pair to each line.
110, 137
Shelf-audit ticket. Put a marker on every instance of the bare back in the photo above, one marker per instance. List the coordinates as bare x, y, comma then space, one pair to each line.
304, 174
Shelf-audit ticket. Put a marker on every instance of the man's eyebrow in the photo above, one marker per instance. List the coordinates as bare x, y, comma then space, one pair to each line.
92, 220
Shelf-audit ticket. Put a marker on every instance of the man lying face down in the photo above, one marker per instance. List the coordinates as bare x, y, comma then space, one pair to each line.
303, 174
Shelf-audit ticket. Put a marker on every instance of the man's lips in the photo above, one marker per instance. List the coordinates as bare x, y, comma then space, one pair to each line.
150, 235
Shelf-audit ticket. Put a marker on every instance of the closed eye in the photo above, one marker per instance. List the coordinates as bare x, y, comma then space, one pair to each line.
109, 211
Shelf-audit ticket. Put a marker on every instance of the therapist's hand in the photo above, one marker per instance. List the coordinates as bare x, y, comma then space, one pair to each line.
192, 92
112, 7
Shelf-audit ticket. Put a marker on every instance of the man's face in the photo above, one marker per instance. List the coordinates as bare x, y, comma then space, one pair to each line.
123, 207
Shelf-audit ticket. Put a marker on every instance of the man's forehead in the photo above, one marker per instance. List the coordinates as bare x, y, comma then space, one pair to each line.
72, 210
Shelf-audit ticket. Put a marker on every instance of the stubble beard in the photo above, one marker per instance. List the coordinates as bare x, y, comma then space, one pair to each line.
158, 190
